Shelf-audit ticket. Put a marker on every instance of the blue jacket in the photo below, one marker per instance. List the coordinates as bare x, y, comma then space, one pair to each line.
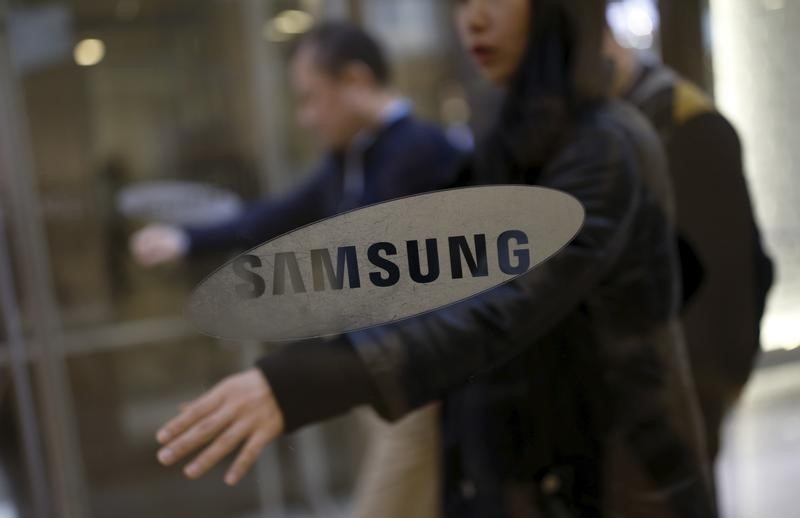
406, 157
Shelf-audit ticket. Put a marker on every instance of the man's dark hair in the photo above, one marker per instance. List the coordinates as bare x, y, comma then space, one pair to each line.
338, 44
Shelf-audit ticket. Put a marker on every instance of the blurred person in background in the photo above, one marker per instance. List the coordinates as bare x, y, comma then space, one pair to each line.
595, 415
376, 150
726, 272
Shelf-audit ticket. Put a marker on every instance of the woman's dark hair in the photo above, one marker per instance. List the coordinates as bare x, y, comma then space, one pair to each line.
337, 44
562, 71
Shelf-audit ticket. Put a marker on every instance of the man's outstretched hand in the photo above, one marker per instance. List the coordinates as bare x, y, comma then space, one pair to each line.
157, 243
239, 409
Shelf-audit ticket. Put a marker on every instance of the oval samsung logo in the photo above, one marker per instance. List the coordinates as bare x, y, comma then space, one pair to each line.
385, 262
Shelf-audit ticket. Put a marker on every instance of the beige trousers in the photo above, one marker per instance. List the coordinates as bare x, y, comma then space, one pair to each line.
400, 476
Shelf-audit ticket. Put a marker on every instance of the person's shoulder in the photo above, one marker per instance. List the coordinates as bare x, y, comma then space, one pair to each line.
614, 134
413, 134
597, 135
420, 154
690, 101
691, 114
416, 128
687, 100
710, 132
617, 121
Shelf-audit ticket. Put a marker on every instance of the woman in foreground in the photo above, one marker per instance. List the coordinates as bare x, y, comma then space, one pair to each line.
565, 392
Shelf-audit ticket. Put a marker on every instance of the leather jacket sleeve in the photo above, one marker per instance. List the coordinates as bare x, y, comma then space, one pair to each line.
418, 360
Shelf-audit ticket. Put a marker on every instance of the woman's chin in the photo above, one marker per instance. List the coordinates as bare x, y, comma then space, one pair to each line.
495, 75
497, 79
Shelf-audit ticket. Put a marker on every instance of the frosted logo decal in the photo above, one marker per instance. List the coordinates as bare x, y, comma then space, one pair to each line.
385, 262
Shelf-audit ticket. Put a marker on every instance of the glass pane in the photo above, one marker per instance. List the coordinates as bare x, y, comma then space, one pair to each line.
160, 97
116, 97
121, 398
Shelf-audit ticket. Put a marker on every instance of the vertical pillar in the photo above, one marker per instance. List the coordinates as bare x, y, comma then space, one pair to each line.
18, 181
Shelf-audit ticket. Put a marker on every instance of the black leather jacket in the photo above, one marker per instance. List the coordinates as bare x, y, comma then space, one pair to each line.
588, 341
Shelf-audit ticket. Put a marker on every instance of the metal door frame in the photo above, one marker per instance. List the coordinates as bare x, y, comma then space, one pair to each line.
58, 426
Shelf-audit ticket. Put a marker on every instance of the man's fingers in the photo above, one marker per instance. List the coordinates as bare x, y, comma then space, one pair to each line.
191, 414
247, 456
153, 254
155, 244
197, 435
221, 446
